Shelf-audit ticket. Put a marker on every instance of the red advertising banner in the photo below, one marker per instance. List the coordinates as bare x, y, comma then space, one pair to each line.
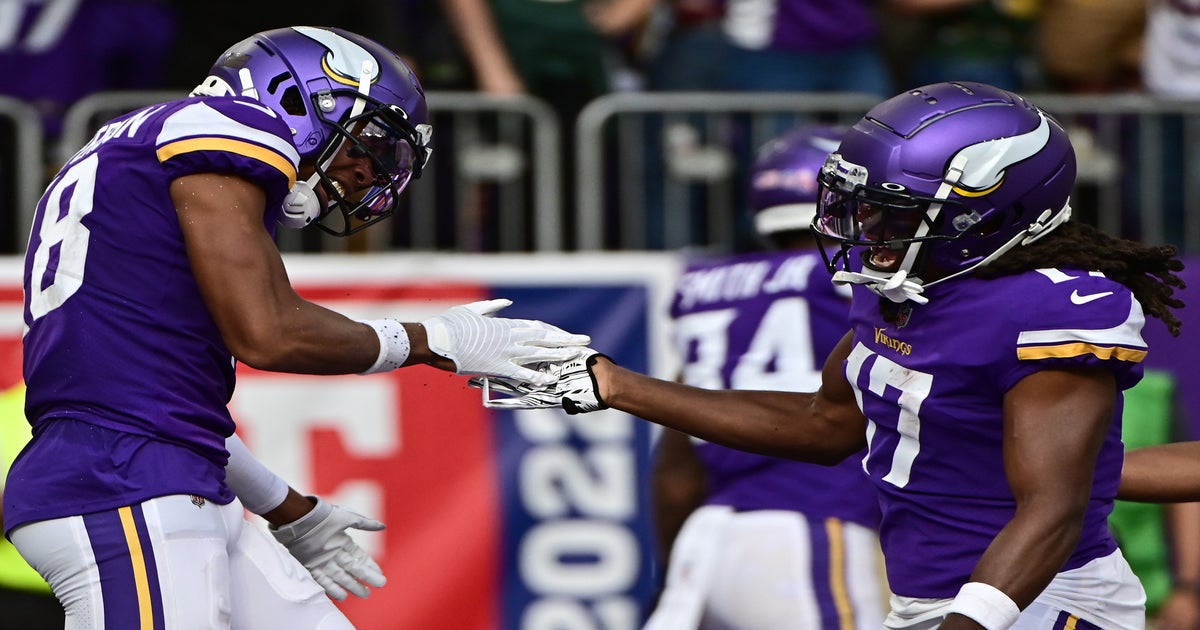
494, 520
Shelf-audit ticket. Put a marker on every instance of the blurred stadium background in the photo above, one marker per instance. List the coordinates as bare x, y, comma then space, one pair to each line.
535, 520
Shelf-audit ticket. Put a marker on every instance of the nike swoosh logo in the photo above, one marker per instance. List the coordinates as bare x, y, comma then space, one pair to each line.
1084, 299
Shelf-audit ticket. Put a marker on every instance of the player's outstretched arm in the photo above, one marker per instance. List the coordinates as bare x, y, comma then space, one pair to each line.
1163, 473
267, 325
821, 427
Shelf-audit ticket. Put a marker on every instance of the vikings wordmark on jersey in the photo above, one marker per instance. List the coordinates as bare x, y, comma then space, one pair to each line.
932, 393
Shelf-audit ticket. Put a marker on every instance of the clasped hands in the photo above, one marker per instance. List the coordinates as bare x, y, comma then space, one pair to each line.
572, 386
529, 363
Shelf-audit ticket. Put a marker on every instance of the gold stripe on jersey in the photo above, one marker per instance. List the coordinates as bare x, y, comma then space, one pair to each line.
140, 579
837, 574
1123, 341
230, 145
1078, 349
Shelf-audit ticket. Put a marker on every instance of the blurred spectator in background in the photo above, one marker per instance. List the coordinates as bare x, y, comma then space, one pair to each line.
750, 46
760, 542
990, 41
55, 52
562, 52
1091, 46
693, 50
1171, 70
25, 597
805, 46
1171, 55
201, 32
1160, 541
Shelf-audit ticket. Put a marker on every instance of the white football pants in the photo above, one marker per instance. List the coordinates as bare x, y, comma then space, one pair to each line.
1102, 594
771, 570
176, 562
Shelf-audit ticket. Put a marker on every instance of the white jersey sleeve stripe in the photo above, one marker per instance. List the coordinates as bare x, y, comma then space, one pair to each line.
1123, 341
1127, 334
200, 120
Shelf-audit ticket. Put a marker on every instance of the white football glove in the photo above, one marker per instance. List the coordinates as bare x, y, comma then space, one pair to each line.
574, 387
320, 542
494, 346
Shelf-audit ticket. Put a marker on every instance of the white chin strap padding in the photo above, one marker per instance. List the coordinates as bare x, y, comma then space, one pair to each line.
893, 286
300, 207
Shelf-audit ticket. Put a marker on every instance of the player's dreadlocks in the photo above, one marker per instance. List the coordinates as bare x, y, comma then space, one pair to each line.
1148, 271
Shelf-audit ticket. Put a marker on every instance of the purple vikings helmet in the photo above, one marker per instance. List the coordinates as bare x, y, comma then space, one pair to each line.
334, 89
783, 184
938, 181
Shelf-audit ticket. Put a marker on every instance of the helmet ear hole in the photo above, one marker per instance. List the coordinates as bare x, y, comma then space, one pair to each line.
292, 102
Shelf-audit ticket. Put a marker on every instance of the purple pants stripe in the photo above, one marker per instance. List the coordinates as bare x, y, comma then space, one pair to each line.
128, 573
1067, 621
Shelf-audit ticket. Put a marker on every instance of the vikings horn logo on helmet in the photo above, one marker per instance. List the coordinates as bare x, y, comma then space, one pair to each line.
346, 61
986, 162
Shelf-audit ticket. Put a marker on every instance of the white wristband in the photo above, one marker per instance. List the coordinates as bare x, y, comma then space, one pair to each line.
394, 345
986, 604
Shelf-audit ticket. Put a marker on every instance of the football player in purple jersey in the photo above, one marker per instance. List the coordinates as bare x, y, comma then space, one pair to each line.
991, 338
768, 543
151, 272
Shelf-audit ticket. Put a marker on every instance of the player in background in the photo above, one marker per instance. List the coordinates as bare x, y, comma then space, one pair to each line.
1161, 542
152, 271
990, 340
768, 543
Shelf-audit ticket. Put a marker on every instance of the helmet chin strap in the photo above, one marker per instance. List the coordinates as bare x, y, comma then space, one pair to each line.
894, 286
1043, 225
302, 206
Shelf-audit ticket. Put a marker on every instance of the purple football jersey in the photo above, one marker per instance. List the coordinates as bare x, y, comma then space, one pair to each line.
933, 390
119, 337
767, 321
54, 53
805, 25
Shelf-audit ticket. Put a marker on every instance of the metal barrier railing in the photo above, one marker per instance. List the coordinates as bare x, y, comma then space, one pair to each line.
90, 112
667, 170
492, 155
1140, 156
678, 164
679, 161
526, 147
25, 161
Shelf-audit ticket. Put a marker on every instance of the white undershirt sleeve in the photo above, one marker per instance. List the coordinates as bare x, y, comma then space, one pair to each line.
259, 489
